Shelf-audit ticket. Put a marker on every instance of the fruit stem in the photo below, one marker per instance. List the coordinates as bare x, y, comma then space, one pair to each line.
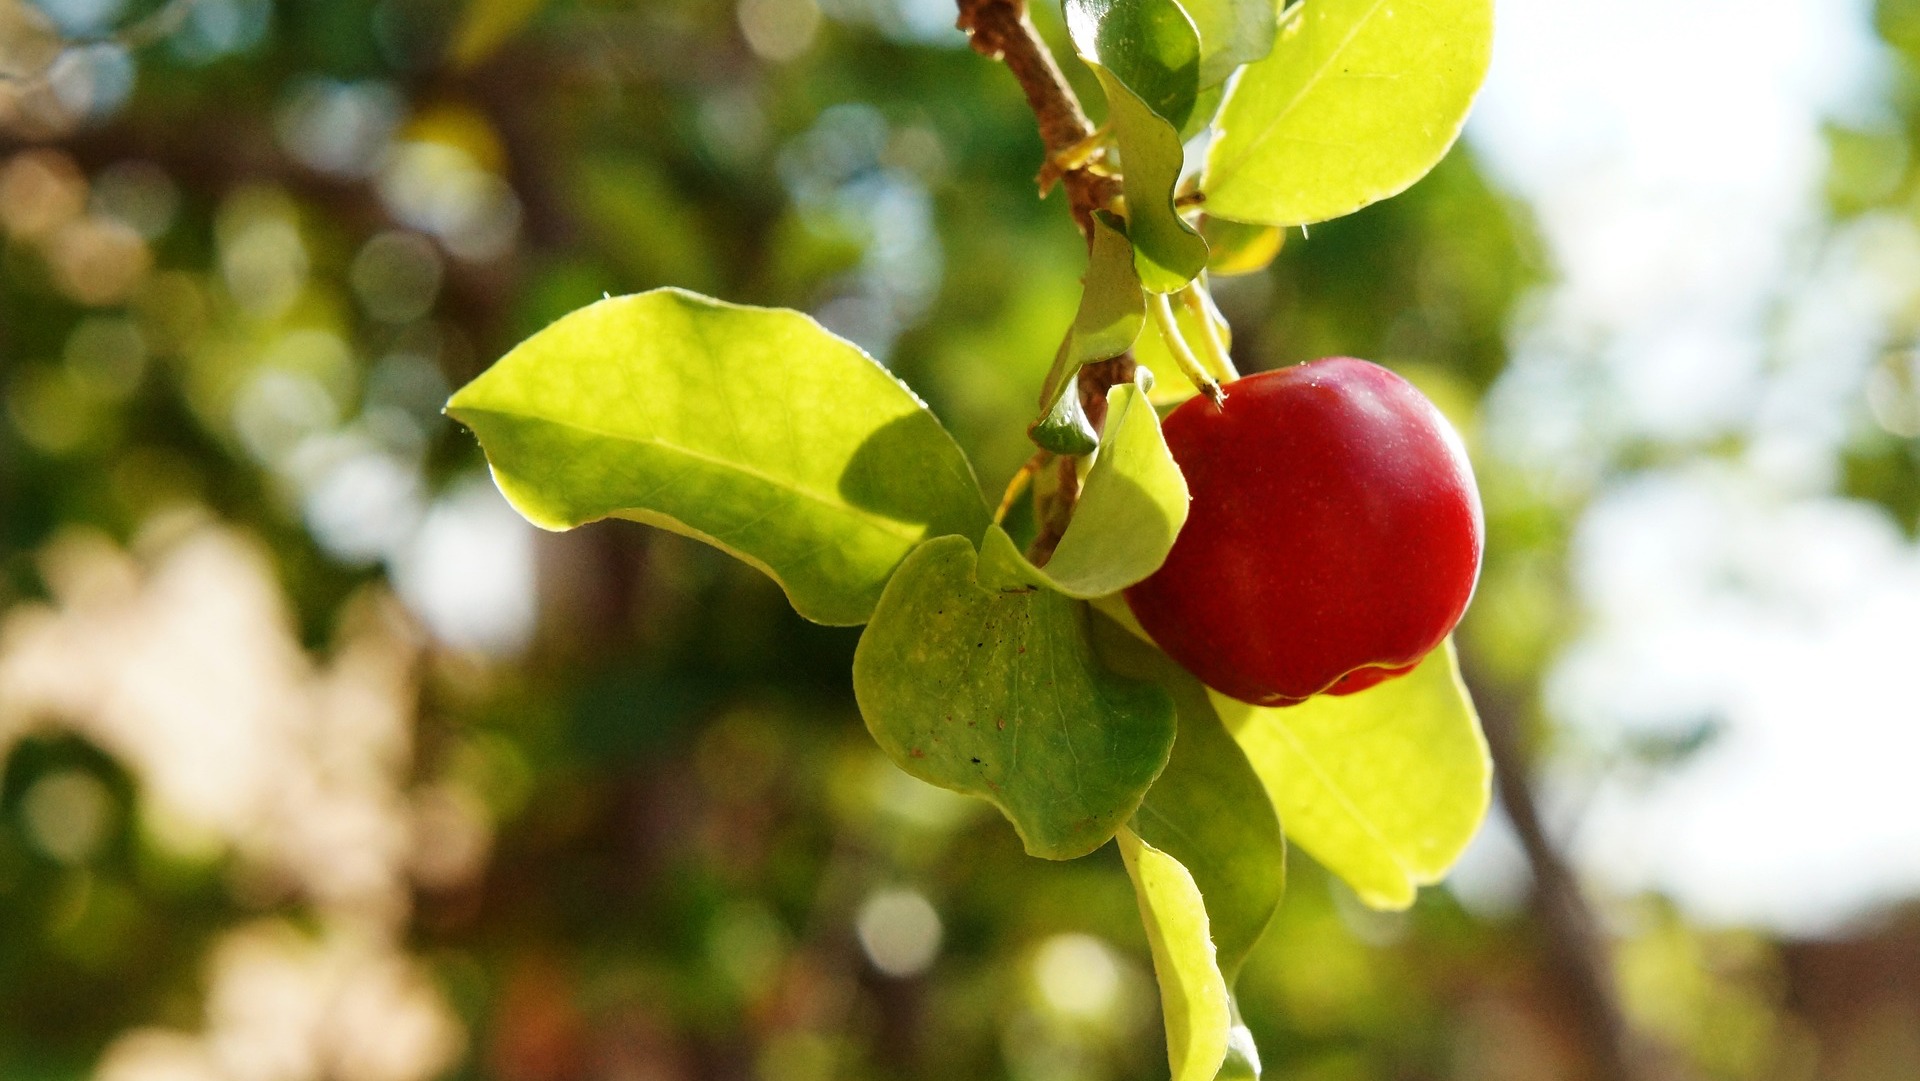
1019, 483
1200, 304
1182, 355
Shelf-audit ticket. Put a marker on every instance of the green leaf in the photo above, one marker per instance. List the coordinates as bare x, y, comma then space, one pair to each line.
976, 677
1358, 99
752, 429
1232, 33
1150, 46
1167, 252
1205, 105
1112, 311
1193, 995
1235, 247
1384, 787
1130, 509
1066, 429
1146, 55
1208, 809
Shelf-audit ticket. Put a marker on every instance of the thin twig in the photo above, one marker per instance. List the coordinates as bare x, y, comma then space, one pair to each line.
1000, 29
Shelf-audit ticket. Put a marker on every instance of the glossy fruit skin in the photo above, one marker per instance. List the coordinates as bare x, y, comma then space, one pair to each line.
1333, 540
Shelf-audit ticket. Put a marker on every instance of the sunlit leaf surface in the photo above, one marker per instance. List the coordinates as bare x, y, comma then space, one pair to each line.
1112, 308
1131, 508
1146, 55
1166, 250
1150, 46
1358, 99
753, 429
1239, 248
1384, 787
1193, 995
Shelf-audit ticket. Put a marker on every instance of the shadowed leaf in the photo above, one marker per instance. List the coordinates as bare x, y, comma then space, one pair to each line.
975, 676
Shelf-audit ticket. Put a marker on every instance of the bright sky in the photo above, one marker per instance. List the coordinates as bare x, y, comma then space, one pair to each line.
1673, 152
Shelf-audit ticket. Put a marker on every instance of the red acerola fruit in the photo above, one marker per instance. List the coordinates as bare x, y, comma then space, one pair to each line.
1334, 537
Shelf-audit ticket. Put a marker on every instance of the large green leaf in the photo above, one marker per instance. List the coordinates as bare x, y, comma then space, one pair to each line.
1358, 99
1232, 33
1193, 994
752, 429
975, 676
1112, 310
1208, 809
1150, 46
1384, 787
1130, 509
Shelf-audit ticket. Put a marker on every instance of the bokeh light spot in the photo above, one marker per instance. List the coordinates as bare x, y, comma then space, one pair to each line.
1077, 976
900, 931
67, 814
779, 30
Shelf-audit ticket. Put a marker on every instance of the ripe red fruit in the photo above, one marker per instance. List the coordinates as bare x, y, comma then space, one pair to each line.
1334, 537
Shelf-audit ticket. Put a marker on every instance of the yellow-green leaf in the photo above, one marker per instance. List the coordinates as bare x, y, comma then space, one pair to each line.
1358, 99
1235, 247
1131, 508
753, 429
1167, 251
1112, 310
1384, 787
1208, 809
1193, 994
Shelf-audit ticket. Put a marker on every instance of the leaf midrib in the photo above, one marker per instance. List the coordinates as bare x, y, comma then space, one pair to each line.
1401, 861
908, 531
